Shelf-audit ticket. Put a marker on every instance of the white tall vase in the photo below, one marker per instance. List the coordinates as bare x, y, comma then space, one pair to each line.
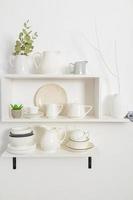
119, 107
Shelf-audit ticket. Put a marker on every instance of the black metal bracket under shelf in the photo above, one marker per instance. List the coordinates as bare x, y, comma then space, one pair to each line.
14, 162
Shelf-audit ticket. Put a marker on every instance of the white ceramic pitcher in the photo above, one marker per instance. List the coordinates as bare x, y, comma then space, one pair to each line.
49, 62
52, 138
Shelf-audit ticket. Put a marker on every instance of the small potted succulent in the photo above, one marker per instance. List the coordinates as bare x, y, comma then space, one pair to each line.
16, 110
21, 59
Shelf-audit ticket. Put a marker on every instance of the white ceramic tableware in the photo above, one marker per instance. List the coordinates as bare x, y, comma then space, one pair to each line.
21, 130
79, 135
31, 110
75, 110
49, 62
78, 67
22, 64
21, 141
50, 94
33, 116
78, 145
21, 150
52, 138
53, 110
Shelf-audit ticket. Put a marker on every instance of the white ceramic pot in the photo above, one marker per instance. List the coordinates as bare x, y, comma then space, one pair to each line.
16, 114
119, 107
22, 64
51, 140
49, 62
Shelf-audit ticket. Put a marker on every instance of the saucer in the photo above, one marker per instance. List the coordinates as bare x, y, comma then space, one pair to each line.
90, 146
79, 145
33, 115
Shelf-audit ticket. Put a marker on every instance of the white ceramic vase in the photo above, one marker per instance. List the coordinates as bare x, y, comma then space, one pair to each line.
22, 64
119, 107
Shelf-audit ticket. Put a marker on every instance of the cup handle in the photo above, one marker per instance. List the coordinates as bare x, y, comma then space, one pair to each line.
89, 109
60, 107
37, 59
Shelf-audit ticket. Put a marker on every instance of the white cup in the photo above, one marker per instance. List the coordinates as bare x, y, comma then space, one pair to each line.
31, 110
79, 135
75, 110
53, 110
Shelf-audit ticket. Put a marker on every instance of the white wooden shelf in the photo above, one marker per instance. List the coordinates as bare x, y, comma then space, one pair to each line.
59, 154
105, 119
49, 76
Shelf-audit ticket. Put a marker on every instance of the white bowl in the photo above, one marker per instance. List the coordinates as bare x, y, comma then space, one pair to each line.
21, 141
20, 130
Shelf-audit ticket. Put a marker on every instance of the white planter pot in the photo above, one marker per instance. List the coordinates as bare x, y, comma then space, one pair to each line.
119, 107
22, 64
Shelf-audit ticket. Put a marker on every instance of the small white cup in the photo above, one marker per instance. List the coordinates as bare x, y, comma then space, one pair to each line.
31, 110
53, 110
79, 135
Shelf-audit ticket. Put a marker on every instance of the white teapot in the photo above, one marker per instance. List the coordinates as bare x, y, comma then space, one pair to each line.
49, 62
52, 138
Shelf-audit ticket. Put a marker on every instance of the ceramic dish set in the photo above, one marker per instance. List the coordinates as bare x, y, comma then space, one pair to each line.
51, 101
22, 140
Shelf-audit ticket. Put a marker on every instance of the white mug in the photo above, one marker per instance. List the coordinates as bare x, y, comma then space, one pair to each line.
78, 110
53, 110
31, 110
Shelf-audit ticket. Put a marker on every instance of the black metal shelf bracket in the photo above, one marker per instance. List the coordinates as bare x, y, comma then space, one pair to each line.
14, 163
89, 162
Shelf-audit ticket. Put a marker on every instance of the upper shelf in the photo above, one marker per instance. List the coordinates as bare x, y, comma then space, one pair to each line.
49, 76
90, 119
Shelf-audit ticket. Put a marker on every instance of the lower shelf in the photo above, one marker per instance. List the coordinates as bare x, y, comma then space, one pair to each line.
59, 154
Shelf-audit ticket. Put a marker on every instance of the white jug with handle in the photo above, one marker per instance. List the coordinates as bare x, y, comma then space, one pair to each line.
52, 138
49, 62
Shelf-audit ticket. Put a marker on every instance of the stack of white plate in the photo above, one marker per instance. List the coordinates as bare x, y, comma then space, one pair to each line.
77, 146
21, 141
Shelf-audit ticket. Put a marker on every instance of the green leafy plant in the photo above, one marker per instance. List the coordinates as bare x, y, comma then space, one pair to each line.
16, 106
24, 44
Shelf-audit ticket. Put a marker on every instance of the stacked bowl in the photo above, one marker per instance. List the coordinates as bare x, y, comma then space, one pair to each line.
21, 140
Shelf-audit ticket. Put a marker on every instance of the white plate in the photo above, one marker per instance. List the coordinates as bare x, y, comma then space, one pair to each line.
50, 93
20, 130
21, 150
35, 115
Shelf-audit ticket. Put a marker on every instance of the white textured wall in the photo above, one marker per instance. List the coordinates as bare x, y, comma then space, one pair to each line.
67, 25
